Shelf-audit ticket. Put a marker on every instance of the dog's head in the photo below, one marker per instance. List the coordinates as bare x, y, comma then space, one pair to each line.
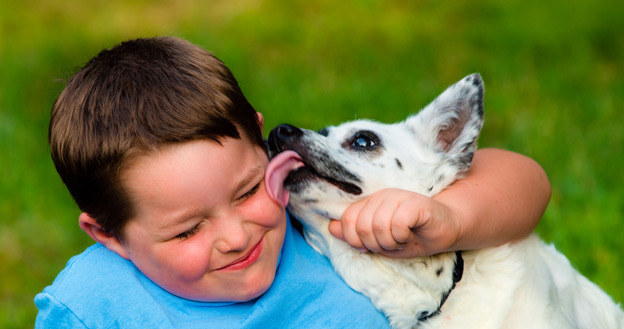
327, 170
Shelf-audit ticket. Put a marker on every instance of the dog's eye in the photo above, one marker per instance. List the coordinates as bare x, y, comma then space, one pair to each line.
364, 140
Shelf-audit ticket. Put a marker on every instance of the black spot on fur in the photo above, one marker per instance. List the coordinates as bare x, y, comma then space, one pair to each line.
464, 161
476, 81
422, 316
325, 164
439, 271
398, 163
467, 145
479, 102
323, 132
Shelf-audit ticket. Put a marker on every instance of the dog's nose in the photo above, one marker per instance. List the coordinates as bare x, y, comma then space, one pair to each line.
286, 131
281, 136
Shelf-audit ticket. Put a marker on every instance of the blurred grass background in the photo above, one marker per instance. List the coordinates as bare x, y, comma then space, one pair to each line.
552, 69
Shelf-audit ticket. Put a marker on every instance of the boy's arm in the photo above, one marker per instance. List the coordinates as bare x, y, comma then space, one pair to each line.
502, 199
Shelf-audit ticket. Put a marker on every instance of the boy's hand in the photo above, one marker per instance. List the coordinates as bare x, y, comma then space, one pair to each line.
398, 223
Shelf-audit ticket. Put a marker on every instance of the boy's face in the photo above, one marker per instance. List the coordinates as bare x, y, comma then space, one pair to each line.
205, 228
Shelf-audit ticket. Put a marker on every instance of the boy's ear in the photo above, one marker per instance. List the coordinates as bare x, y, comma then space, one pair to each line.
97, 233
260, 120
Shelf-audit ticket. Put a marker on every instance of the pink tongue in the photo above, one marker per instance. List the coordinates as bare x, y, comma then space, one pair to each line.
276, 173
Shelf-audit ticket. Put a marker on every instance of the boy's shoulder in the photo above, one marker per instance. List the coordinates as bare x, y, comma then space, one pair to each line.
90, 266
95, 267
93, 287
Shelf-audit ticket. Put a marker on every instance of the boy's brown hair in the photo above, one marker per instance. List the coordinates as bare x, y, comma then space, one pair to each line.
134, 98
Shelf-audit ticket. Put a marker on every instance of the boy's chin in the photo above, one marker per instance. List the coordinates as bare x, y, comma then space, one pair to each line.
254, 291
235, 294
254, 295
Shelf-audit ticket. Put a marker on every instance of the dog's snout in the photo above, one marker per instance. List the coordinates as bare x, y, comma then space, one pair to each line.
281, 136
286, 131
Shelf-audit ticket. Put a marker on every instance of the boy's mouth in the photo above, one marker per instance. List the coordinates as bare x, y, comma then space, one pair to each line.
245, 261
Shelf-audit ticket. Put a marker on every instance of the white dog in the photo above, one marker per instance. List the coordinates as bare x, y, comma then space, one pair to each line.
526, 284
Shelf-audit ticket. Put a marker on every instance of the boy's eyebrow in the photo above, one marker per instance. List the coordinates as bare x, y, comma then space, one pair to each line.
252, 174
177, 220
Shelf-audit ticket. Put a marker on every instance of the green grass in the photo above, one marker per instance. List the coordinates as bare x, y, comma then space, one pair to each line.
553, 72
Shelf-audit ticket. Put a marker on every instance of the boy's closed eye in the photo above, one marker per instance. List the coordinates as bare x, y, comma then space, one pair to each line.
190, 232
249, 193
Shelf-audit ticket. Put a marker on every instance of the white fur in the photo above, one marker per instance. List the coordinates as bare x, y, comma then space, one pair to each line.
527, 284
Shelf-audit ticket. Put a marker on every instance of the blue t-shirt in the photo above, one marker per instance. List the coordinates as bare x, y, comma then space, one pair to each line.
100, 289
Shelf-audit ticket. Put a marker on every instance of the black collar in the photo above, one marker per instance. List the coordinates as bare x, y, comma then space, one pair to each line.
458, 272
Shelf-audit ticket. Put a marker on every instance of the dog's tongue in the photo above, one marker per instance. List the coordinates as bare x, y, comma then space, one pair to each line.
276, 173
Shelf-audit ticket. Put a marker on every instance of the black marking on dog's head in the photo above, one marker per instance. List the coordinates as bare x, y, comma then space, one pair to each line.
477, 101
467, 145
323, 132
465, 160
399, 164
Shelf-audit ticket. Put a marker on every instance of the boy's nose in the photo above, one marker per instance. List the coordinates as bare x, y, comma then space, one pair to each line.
234, 235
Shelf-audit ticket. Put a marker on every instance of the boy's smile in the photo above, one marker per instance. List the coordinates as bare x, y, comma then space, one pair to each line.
246, 260
204, 226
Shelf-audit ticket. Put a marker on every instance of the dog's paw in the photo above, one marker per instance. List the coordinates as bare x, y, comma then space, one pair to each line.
410, 312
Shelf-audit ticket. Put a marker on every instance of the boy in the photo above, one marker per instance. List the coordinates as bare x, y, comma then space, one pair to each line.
164, 155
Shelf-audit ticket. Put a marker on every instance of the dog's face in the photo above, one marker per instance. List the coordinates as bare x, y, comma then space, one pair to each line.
329, 169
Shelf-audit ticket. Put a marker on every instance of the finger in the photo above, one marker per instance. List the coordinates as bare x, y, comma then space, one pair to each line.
365, 222
409, 251
403, 222
335, 228
348, 222
382, 226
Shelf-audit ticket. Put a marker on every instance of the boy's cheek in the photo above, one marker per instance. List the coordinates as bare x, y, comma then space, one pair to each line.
187, 260
263, 210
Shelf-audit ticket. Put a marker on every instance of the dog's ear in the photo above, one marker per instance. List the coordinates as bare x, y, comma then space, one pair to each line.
452, 122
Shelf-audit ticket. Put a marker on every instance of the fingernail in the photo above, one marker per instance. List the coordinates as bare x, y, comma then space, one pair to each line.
362, 249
